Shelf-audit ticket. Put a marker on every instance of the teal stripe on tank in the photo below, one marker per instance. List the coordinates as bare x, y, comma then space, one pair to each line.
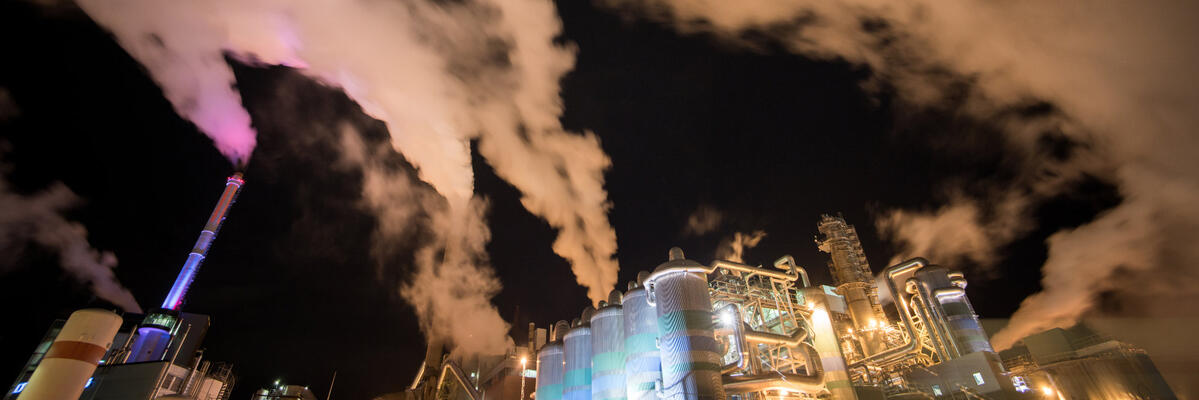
608, 361
578, 377
550, 392
641, 343
682, 320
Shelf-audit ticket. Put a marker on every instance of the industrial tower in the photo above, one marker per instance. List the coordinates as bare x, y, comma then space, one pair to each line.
852, 275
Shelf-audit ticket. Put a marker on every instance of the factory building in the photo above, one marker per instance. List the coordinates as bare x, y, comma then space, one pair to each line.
1078, 363
728, 330
153, 356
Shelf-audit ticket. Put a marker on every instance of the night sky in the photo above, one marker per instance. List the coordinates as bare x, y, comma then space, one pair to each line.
768, 138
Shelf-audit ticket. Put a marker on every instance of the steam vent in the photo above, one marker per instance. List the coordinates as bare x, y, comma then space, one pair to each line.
689, 331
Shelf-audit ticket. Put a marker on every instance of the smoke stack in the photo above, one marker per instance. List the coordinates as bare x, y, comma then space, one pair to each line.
179, 290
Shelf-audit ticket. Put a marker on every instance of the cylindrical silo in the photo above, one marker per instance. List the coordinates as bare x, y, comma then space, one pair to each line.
73, 357
643, 367
607, 344
690, 361
577, 382
550, 369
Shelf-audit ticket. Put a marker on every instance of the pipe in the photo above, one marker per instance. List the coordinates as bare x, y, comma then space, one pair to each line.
457, 374
179, 290
792, 275
776, 339
813, 384
912, 344
787, 259
934, 322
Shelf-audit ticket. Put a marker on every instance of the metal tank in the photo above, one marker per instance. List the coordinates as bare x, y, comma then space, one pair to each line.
577, 383
550, 370
643, 367
690, 360
72, 359
607, 344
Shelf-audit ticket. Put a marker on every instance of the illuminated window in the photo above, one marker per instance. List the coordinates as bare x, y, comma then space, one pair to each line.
530, 373
1020, 384
19, 387
978, 378
937, 390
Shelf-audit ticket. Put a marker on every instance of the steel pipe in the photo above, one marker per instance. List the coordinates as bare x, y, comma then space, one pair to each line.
912, 344
774, 338
454, 371
813, 384
788, 260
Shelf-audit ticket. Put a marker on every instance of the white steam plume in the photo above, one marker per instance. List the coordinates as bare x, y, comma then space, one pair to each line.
1122, 72
733, 248
190, 68
704, 219
37, 219
440, 74
452, 287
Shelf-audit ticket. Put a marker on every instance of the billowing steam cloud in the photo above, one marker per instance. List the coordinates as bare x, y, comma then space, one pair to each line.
1120, 72
704, 219
733, 248
452, 287
190, 68
37, 219
440, 74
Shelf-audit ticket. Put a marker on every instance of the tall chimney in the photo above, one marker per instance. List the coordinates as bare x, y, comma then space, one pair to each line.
179, 290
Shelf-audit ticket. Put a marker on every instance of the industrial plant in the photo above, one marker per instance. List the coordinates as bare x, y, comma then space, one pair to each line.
729, 330
684, 330
99, 355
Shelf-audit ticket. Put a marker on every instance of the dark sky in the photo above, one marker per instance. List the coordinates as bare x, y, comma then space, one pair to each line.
770, 139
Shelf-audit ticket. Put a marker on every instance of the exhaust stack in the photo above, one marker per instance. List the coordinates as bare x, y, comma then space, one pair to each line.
179, 289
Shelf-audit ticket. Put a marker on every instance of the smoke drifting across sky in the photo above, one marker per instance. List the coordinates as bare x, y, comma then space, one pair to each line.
439, 74
37, 219
1120, 76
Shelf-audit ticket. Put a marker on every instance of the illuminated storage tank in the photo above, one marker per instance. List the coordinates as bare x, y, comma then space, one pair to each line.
607, 344
155, 334
72, 359
690, 359
550, 370
643, 367
577, 382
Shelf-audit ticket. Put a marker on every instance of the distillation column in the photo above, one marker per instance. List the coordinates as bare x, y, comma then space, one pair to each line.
854, 279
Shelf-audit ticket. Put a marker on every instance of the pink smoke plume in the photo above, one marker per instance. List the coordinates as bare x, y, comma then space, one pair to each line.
439, 74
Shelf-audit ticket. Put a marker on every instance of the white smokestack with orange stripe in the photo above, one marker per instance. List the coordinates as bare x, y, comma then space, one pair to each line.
73, 357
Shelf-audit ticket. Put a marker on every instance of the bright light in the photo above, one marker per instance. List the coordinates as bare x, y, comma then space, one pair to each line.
849, 330
523, 361
1046, 390
728, 317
